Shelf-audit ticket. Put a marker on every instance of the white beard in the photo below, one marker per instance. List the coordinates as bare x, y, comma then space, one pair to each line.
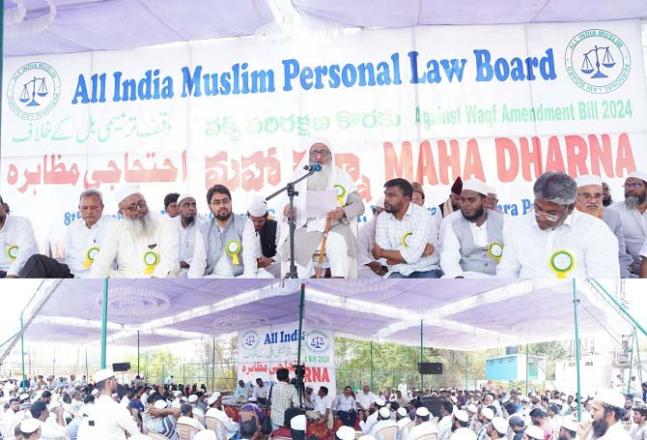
321, 180
144, 228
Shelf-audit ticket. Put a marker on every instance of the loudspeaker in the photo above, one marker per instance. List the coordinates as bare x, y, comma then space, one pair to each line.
430, 368
121, 366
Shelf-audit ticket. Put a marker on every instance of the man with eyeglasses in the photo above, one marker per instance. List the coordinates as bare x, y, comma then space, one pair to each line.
218, 248
590, 195
106, 419
340, 244
633, 217
139, 245
556, 240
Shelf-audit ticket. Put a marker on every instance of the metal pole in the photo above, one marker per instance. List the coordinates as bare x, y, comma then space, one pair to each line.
301, 305
640, 366
577, 352
213, 364
87, 375
372, 389
422, 385
623, 310
467, 361
22, 342
527, 362
631, 366
137, 352
104, 323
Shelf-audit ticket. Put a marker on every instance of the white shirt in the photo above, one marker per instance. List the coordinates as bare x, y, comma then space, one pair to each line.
444, 428
616, 432
222, 268
450, 254
380, 425
634, 227
17, 237
231, 426
367, 425
365, 400
110, 421
528, 250
129, 252
409, 236
261, 393
420, 430
365, 242
343, 403
191, 422
50, 430
79, 240
186, 238
322, 404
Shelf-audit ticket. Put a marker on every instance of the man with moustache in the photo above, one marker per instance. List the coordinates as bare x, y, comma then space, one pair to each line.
259, 242
140, 245
405, 235
589, 200
638, 430
340, 243
472, 244
607, 200
556, 240
187, 225
607, 411
633, 217
218, 248
17, 243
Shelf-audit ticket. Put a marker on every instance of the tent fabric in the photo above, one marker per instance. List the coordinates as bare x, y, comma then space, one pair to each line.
455, 314
91, 25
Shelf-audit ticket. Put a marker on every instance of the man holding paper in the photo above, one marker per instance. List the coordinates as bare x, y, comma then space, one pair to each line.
327, 200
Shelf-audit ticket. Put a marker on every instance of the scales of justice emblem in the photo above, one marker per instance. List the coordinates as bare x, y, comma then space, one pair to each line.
607, 62
33, 90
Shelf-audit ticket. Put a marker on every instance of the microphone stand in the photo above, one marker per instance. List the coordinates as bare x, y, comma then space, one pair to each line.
290, 189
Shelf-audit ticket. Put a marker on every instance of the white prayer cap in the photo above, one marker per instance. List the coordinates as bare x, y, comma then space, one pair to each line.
461, 415
487, 413
472, 408
193, 398
500, 424
380, 402
258, 207
588, 179
124, 191
453, 399
205, 434
534, 431
380, 204
176, 404
104, 374
185, 196
94, 392
611, 397
475, 185
298, 423
177, 393
215, 396
463, 434
30, 425
422, 412
638, 175
402, 412
160, 404
492, 189
183, 399
570, 424
385, 412
345, 433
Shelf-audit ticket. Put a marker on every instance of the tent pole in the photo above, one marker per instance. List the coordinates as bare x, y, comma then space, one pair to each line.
137, 352
640, 367
213, 363
422, 385
2, 57
467, 360
631, 368
302, 299
87, 375
623, 310
104, 323
372, 389
577, 353
527, 362
22, 343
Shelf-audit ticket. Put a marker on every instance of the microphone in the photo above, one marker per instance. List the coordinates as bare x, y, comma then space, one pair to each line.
314, 167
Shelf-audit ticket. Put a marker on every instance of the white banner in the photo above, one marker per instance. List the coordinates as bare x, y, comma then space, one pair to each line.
500, 103
264, 350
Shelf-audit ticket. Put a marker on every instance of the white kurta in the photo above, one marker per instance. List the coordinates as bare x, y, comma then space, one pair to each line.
186, 238
634, 228
528, 250
128, 252
79, 239
111, 421
16, 240
252, 251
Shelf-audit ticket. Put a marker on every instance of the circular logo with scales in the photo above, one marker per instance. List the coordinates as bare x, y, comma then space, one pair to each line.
597, 61
33, 91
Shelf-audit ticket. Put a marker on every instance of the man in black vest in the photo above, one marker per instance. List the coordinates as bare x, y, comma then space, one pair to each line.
259, 243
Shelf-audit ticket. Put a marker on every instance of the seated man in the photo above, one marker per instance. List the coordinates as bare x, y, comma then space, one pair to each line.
218, 247
18, 243
187, 224
259, 243
161, 419
556, 240
345, 407
186, 417
171, 203
340, 245
368, 266
383, 421
216, 411
322, 411
424, 426
405, 235
589, 201
472, 244
140, 245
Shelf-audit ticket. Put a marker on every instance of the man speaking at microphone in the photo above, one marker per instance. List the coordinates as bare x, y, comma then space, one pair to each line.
340, 244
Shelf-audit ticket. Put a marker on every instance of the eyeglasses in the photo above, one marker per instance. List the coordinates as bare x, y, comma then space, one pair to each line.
314, 153
589, 196
220, 202
135, 206
550, 217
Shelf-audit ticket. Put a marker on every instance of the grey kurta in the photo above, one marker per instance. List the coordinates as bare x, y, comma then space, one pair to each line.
306, 243
612, 219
